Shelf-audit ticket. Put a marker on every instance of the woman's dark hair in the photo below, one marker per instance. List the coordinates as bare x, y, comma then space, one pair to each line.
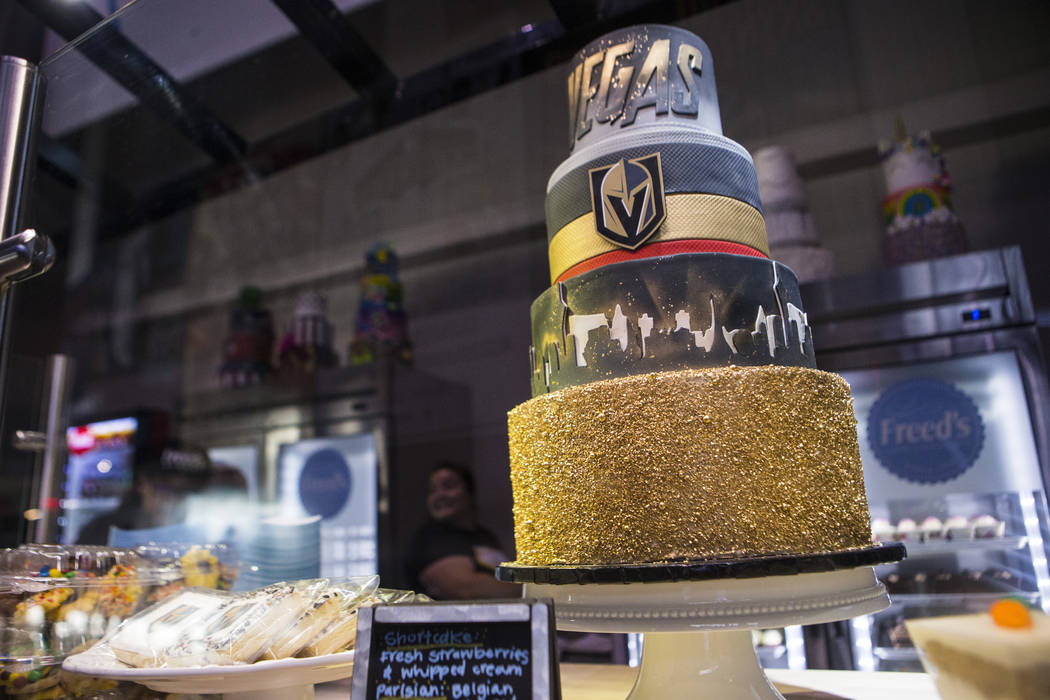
460, 470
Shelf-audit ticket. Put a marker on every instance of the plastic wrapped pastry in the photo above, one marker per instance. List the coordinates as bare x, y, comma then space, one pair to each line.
245, 627
322, 612
197, 627
141, 640
341, 632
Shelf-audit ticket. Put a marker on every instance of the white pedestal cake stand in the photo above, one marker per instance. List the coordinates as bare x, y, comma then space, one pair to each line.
697, 619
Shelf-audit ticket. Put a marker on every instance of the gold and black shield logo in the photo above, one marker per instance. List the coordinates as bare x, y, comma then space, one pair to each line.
628, 200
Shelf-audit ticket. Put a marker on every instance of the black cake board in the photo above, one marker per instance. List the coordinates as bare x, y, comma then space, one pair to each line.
704, 569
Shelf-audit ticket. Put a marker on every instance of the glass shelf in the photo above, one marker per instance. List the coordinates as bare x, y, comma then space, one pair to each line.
960, 599
940, 547
896, 653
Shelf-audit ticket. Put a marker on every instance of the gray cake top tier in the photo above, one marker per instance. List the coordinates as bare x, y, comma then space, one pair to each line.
668, 313
639, 76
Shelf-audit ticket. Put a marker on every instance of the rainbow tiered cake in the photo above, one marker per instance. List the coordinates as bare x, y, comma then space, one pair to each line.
920, 222
677, 414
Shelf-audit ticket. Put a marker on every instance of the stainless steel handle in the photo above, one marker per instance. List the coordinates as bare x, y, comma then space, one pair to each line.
25, 255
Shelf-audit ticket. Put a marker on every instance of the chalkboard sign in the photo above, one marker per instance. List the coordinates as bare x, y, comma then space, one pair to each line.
484, 650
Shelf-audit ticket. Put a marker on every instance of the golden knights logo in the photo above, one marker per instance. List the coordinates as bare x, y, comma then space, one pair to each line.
628, 200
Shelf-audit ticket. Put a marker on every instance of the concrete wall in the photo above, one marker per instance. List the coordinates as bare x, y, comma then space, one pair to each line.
460, 192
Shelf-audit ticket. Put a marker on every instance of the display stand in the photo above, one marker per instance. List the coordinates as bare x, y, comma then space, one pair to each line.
697, 620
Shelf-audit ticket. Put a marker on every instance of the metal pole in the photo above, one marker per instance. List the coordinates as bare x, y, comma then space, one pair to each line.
58, 385
21, 97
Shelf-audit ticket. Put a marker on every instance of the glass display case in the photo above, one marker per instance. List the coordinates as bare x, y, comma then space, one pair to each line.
998, 550
189, 149
950, 397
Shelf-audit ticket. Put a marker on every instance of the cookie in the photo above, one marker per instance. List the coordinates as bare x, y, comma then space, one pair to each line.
26, 679
120, 591
200, 568
42, 606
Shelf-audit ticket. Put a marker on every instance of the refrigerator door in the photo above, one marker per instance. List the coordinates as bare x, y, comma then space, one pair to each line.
335, 478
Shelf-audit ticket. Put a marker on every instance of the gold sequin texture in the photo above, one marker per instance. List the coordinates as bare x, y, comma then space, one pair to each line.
693, 464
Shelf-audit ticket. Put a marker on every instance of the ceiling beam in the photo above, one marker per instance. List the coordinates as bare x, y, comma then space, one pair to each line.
532, 49
122, 61
322, 24
66, 167
575, 14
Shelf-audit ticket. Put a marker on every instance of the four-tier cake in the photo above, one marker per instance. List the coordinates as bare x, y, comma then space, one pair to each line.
677, 414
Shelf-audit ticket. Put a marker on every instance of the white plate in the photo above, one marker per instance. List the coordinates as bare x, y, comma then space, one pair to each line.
263, 675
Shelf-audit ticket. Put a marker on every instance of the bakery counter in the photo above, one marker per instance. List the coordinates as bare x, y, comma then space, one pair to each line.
611, 682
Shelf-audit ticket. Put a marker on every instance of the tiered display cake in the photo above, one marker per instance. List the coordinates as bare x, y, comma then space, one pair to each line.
920, 222
792, 233
677, 414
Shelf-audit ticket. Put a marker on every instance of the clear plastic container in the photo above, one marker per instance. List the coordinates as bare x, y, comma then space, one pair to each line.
213, 566
56, 600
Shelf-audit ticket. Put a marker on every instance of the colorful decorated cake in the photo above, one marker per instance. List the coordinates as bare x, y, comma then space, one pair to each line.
249, 345
308, 344
380, 329
677, 414
920, 223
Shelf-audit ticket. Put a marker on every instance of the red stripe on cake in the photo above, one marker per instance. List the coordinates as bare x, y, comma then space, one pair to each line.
698, 245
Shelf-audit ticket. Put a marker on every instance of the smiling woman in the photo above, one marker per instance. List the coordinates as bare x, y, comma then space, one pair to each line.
452, 556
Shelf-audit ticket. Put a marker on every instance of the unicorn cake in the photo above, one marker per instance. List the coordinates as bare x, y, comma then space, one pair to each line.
920, 222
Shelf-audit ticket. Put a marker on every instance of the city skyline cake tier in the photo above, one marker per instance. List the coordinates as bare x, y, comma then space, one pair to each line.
677, 412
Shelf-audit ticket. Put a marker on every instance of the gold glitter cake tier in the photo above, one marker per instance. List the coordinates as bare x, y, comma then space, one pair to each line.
694, 464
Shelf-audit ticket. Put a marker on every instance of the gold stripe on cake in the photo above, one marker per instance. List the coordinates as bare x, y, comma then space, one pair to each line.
688, 216
686, 465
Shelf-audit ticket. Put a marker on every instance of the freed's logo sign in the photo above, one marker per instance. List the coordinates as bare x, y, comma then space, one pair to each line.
951, 425
627, 198
925, 431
